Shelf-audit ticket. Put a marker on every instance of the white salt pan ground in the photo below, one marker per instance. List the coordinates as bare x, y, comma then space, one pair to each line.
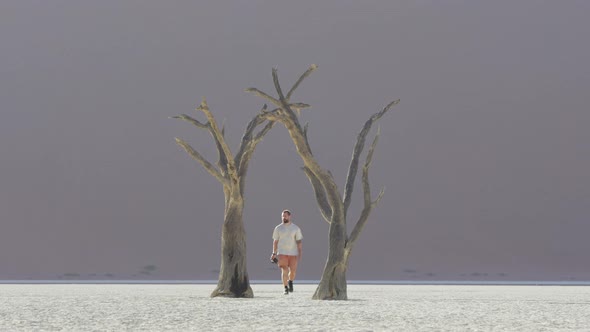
370, 308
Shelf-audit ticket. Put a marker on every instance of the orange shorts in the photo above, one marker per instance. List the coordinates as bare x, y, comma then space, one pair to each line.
288, 261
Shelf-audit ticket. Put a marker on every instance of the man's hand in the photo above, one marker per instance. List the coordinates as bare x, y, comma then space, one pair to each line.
273, 258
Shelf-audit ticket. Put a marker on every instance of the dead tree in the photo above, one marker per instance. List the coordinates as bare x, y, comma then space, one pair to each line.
332, 205
231, 173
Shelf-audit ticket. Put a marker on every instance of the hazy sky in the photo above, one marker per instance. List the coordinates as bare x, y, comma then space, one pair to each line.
485, 161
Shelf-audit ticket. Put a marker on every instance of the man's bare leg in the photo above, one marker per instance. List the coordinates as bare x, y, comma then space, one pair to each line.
292, 272
285, 276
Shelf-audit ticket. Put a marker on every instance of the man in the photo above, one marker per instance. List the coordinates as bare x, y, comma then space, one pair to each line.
286, 247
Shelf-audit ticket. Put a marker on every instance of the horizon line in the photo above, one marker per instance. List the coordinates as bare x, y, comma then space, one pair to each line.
263, 281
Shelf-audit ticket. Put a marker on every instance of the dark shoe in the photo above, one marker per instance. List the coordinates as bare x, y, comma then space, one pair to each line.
286, 290
291, 286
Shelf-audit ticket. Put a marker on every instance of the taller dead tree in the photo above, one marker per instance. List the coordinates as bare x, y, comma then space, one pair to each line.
332, 205
230, 171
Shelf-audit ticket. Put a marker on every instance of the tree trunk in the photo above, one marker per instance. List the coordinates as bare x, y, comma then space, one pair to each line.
333, 283
233, 276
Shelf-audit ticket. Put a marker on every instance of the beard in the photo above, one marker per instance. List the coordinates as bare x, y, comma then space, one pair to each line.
285, 220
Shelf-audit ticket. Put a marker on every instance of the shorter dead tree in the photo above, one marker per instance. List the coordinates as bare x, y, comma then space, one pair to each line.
332, 206
231, 173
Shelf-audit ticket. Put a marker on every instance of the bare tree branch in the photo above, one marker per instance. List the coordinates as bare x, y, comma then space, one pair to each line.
358, 149
288, 118
198, 157
264, 95
249, 142
368, 205
247, 136
267, 115
320, 194
222, 161
284, 104
247, 155
275, 81
263, 132
299, 105
224, 148
273, 115
191, 120
301, 78
378, 199
285, 115
305, 134
296, 106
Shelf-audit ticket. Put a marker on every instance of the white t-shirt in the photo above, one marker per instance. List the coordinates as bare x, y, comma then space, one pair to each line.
287, 235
